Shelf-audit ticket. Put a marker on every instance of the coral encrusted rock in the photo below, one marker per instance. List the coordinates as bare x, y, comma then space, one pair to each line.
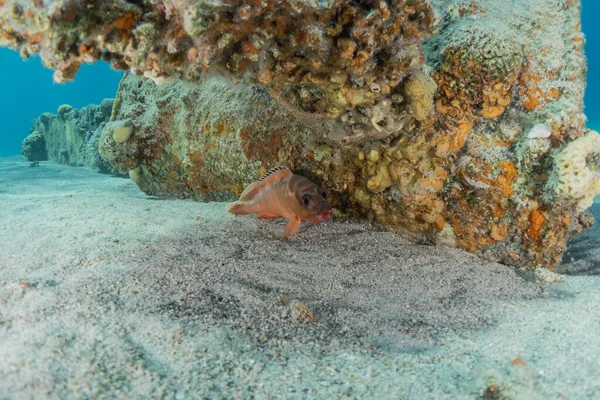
323, 57
34, 147
413, 114
71, 136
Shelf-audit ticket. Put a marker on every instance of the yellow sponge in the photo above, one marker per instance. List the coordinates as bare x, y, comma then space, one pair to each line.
122, 133
578, 170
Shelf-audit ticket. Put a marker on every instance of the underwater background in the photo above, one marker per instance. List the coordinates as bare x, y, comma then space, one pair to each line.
590, 12
450, 269
28, 90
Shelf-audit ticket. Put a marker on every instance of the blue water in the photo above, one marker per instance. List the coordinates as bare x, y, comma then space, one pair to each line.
589, 15
28, 90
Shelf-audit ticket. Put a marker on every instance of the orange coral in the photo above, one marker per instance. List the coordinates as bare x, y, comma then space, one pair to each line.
123, 23
531, 91
509, 173
478, 212
536, 220
196, 157
453, 140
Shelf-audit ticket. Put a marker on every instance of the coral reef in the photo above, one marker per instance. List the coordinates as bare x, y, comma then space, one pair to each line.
436, 133
34, 147
63, 109
324, 57
71, 136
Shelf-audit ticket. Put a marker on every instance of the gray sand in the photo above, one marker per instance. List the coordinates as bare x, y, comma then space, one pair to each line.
106, 293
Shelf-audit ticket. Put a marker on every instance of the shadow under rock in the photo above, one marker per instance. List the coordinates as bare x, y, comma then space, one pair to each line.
582, 256
359, 284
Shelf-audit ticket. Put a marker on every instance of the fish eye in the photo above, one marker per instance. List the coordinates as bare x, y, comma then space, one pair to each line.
305, 199
324, 194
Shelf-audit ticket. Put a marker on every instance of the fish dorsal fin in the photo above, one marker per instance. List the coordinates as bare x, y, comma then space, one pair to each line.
273, 175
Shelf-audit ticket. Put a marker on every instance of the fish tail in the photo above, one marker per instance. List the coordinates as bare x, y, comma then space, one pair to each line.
239, 208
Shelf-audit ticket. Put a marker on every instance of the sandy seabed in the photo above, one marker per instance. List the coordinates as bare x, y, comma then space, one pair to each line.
108, 293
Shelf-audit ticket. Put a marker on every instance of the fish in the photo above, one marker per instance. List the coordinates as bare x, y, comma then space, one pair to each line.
281, 193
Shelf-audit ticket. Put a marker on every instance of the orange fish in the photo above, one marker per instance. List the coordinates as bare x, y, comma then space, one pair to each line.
280, 193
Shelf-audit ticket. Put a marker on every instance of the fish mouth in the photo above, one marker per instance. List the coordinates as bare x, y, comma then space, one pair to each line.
323, 216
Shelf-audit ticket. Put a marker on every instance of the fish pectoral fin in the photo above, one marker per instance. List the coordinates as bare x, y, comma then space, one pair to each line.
265, 215
292, 227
